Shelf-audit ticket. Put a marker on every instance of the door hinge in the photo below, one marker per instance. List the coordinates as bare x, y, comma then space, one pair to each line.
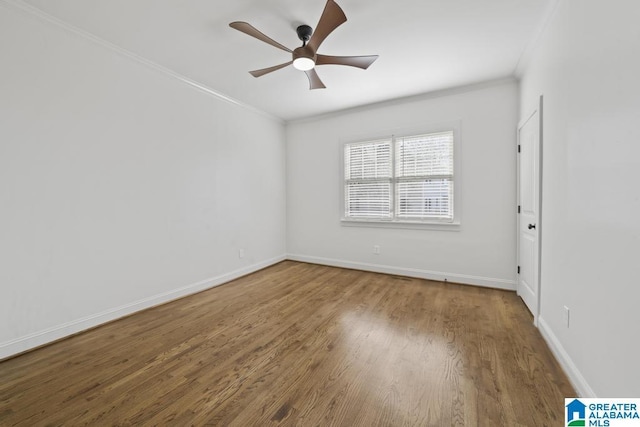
518, 269
518, 148
518, 208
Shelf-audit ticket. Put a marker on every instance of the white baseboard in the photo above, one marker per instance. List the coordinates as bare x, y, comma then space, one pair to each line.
410, 272
575, 376
37, 339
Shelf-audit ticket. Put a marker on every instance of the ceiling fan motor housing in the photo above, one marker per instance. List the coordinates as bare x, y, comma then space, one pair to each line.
304, 58
304, 52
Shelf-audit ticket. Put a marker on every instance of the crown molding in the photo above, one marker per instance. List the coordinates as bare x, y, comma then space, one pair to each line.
531, 46
27, 8
440, 93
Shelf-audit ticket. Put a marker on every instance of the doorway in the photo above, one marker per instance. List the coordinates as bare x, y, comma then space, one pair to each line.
529, 197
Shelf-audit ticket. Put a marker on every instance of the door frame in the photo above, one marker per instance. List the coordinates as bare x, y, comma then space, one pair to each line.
539, 226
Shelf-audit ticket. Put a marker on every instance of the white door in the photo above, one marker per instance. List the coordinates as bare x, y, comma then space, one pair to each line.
529, 212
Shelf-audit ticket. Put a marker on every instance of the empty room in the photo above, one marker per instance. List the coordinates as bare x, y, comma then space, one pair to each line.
319, 213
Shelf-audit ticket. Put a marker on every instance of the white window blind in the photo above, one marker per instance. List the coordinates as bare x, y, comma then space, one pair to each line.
424, 171
368, 179
400, 179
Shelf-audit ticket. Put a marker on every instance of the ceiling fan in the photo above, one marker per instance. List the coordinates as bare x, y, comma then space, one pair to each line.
305, 57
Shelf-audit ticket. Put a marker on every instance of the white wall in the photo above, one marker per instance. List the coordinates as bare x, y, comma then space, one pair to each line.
120, 186
483, 250
587, 66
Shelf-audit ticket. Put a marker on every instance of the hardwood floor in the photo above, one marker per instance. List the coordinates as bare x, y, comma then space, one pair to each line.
304, 345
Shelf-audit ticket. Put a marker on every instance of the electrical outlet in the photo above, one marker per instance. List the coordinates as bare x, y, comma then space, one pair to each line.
565, 315
376, 249
240, 253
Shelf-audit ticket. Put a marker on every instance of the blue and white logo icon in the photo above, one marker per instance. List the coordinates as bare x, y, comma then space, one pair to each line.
576, 413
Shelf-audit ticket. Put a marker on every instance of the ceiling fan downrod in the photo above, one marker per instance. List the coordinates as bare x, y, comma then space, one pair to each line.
304, 33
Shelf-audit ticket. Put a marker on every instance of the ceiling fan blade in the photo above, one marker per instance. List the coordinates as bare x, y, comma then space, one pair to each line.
332, 17
262, 72
353, 61
314, 80
250, 30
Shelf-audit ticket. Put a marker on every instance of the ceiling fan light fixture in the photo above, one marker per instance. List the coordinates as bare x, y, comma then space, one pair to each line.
304, 59
303, 63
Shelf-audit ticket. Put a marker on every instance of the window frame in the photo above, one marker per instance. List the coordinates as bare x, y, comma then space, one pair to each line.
394, 222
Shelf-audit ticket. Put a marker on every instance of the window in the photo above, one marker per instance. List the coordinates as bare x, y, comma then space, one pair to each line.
400, 179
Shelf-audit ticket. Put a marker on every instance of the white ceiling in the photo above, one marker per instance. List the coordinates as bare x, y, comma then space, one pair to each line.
424, 45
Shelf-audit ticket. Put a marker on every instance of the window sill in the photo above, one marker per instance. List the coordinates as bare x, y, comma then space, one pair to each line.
412, 225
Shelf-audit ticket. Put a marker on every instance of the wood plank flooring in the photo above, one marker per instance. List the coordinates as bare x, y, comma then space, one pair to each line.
299, 345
